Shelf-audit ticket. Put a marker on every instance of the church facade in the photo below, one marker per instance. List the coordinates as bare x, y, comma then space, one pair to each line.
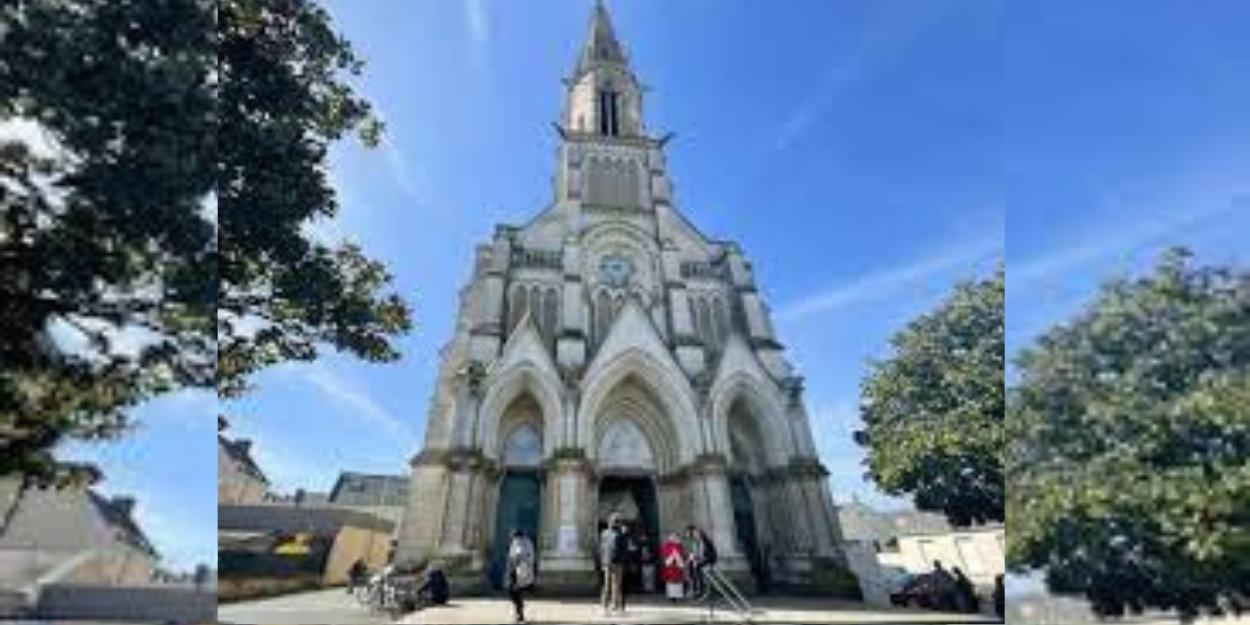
611, 358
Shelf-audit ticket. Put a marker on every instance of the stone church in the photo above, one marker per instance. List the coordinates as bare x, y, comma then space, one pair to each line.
611, 357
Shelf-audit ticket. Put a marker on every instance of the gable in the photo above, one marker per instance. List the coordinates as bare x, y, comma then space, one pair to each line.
633, 330
525, 345
738, 358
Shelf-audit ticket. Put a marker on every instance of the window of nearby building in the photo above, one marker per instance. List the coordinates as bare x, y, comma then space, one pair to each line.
971, 556
929, 552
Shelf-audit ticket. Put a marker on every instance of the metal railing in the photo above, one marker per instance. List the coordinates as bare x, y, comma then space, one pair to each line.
716, 581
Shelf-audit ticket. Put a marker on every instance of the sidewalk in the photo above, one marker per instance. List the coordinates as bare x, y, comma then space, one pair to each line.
772, 610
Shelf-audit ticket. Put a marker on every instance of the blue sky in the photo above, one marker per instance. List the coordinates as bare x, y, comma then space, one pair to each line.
867, 155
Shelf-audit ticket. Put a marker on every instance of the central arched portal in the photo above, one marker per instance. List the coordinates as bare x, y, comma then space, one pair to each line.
627, 490
521, 483
630, 452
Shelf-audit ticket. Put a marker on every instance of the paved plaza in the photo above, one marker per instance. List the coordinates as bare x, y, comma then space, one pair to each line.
335, 606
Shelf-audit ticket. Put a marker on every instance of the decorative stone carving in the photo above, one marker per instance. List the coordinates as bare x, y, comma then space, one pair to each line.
624, 446
524, 448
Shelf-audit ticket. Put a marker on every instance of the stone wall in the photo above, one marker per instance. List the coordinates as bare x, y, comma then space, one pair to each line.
174, 605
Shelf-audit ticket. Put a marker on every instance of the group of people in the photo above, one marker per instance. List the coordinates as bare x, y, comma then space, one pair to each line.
682, 564
953, 590
433, 590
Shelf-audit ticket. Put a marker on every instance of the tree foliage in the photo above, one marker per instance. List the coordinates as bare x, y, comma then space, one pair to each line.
106, 256
1130, 473
162, 167
283, 102
933, 411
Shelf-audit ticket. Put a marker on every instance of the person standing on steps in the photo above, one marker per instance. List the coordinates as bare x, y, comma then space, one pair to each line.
673, 567
614, 553
702, 556
521, 571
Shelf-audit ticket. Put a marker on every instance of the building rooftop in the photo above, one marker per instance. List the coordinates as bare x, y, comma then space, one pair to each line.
366, 490
291, 519
240, 451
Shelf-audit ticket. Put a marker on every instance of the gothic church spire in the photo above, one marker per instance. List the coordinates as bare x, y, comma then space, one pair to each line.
601, 45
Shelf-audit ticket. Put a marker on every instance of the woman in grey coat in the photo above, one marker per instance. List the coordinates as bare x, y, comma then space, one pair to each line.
521, 571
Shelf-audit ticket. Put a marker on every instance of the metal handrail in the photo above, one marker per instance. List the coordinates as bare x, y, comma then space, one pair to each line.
727, 590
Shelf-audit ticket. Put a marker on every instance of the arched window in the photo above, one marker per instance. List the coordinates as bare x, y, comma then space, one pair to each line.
721, 321
534, 307
516, 307
609, 122
624, 446
705, 322
551, 315
694, 318
603, 316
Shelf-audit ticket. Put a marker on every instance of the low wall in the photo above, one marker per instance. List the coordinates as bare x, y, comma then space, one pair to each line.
244, 588
153, 604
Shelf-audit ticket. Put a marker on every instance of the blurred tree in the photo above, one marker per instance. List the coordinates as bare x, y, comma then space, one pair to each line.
283, 102
161, 164
107, 269
1129, 479
933, 411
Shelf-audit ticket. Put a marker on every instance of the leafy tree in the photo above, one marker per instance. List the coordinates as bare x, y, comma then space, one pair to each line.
283, 102
106, 254
933, 411
161, 239
1130, 480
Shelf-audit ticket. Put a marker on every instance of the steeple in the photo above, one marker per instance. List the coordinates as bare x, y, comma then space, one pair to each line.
604, 97
601, 45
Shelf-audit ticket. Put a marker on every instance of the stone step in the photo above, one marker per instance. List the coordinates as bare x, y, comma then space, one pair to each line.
12, 604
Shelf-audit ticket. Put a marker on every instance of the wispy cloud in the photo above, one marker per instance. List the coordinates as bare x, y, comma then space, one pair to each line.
876, 47
891, 280
477, 21
356, 402
397, 165
396, 159
1145, 229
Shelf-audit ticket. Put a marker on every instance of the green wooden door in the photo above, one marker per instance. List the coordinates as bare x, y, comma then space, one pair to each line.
519, 507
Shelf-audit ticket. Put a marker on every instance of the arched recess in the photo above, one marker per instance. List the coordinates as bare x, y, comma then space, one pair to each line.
744, 397
503, 389
523, 443
663, 401
633, 410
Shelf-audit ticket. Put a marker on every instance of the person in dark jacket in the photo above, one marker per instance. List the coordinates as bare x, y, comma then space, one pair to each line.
1000, 598
357, 576
702, 556
435, 590
965, 593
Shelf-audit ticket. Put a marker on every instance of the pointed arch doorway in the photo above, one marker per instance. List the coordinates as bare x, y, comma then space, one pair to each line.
627, 489
519, 504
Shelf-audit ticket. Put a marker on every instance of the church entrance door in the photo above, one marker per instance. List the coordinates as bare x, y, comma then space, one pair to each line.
519, 507
633, 499
744, 524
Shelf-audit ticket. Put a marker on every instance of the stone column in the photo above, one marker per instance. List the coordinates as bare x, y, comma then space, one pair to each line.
566, 554
809, 478
424, 514
713, 506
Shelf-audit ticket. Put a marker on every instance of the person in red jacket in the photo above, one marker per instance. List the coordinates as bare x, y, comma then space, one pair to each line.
673, 567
